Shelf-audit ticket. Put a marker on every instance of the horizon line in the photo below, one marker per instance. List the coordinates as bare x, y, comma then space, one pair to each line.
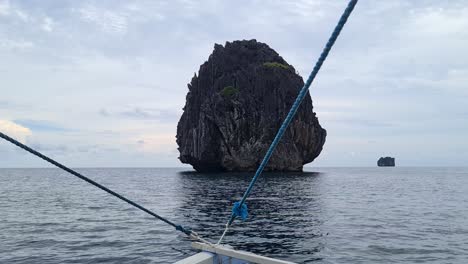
174, 167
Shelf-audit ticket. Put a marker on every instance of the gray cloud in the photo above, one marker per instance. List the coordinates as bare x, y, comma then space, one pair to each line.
160, 115
50, 148
397, 71
41, 125
4, 104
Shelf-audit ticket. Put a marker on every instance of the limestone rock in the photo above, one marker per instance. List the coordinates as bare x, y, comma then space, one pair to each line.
386, 162
235, 106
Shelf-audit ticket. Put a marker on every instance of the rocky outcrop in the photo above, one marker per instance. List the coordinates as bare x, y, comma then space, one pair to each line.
235, 106
386, 162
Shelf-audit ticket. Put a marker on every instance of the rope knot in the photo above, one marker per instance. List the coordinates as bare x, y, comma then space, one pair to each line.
183, 229
240, 211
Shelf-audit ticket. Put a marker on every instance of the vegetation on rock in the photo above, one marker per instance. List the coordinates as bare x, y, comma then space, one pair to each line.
276, 65
229, 91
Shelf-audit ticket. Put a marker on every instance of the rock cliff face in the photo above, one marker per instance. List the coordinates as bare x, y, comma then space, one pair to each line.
235, 106
386, 162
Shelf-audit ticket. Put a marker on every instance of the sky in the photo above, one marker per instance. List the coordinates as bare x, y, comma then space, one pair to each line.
103, 83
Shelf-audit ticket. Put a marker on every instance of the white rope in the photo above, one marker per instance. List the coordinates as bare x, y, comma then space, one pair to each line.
195, 236
224, 233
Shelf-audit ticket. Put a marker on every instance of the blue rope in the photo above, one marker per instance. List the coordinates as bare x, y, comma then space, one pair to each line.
236, 212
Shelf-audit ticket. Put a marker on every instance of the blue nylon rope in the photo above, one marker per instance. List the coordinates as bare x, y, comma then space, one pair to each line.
239, 208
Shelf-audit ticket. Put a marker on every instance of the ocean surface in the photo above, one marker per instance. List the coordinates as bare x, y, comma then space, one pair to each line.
326, 215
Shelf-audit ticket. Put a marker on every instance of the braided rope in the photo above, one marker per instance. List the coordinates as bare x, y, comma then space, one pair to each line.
185, 230
295, 106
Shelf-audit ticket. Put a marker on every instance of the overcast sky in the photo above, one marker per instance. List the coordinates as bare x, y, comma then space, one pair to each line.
103, 83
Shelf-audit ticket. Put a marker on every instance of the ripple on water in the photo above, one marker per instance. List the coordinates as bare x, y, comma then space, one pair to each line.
335, 215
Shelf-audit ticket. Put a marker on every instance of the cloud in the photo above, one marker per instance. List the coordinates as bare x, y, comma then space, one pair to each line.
4, 7
108, 21
47, 24
41, 125
22, 15
439, 22
4, 104
396, 72
15, 45
156, 143
104, 112
50, 148
138, 113
356, 122
15, 130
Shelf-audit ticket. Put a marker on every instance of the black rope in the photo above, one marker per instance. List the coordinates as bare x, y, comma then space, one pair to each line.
63, 167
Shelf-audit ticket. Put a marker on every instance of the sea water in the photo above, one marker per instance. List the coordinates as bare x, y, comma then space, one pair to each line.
324, 215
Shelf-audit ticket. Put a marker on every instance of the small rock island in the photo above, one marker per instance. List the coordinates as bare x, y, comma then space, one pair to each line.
386, 162
235, 106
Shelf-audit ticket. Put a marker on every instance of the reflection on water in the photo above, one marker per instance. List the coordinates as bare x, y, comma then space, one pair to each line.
336, 215
285, 211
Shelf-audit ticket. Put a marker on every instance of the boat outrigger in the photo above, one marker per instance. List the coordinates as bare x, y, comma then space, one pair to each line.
218, 253
213, 254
